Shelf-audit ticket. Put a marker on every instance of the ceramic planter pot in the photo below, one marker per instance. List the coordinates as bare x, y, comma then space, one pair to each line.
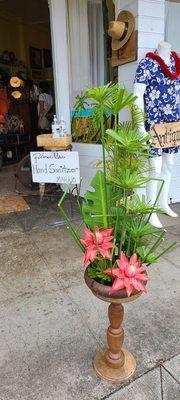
114, 364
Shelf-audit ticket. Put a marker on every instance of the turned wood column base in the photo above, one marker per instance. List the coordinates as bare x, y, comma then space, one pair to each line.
115, 375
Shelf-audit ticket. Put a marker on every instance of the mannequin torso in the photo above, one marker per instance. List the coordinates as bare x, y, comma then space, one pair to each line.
164, 51
157, 95
156, 92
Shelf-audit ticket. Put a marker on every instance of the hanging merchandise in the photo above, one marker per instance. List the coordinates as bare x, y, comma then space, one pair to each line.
55, 127
15, 82
14, 123
4, 104
62, 127
18, 89
16, 94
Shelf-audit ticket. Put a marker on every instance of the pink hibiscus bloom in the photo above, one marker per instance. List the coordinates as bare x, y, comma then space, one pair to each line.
99, 242
128, 275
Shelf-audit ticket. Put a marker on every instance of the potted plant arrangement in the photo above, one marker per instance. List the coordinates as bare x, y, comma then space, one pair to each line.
119, 243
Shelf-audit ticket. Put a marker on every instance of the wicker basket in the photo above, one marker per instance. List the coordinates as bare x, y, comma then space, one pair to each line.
50, 143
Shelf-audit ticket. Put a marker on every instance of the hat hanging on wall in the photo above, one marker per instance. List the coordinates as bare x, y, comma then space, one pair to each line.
15, 82
16, 94
121, 29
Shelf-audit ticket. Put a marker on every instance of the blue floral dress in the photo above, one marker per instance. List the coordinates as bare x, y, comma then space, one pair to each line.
162, 96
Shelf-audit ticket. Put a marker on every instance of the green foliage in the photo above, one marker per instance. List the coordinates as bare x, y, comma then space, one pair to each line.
129, 142
96, 271
129, 180
121, 99
137, 117
112, 201
94, 205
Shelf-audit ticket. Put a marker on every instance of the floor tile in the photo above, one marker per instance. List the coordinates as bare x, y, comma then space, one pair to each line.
173, 366
171, 389
145, 388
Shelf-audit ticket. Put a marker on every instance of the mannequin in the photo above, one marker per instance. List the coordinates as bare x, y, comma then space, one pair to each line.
161, 165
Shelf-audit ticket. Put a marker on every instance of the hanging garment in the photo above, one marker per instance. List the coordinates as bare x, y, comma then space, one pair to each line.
43, 122
86, 45
96, 42
162, 95
4, 104
78, 45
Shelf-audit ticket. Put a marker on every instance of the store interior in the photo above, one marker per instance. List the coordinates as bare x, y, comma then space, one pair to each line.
25, 60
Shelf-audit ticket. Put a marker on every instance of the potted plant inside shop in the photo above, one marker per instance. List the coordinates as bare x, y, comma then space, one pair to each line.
87, 140
119, 243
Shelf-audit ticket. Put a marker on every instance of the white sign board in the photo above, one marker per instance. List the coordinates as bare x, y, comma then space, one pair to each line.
55, 167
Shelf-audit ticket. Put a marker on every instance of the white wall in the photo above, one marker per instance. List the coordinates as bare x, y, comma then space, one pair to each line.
172, 24
89, 156
172, 35
149, 17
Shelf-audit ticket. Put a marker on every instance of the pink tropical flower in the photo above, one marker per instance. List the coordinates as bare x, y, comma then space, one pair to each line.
128, 275
96, 243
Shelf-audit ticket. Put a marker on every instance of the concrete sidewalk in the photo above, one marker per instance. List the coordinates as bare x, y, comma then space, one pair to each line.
51, 325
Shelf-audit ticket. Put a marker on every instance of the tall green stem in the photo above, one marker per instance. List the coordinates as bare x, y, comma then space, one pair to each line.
115, 148
170, 247
129, 243
157, 197
104, 163
155, 245
71, 229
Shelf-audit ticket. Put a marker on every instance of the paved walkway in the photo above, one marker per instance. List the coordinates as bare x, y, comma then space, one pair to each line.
51, 325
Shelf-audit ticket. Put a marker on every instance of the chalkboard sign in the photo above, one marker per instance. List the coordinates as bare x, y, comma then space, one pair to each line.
166, 135
55, 167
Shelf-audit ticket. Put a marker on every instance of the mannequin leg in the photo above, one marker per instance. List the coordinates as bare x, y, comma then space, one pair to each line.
155, 165
166, 172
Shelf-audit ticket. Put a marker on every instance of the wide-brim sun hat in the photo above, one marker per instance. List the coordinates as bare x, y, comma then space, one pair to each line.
121, 29
15, 81
16, 94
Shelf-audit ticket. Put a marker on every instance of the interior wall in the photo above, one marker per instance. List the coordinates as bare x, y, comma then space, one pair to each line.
9, 37
17, 37
172, 25
36, 38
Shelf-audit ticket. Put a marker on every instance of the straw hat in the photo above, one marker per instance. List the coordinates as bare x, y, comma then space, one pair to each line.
15, 81
16, 94
121, 30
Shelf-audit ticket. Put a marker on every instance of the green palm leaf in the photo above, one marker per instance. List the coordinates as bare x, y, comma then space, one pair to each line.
137, 117
121, 99
129, 180
130, 141
94, 204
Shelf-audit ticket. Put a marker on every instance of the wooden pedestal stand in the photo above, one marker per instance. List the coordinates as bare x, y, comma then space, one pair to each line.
115, 364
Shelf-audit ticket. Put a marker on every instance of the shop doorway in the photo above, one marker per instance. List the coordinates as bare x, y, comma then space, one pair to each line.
25, 62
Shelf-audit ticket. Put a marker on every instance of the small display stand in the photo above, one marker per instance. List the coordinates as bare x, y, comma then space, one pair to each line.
52, 144
49, 143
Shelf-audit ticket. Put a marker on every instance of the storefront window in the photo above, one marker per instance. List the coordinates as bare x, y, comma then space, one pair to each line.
86, 45
172, 25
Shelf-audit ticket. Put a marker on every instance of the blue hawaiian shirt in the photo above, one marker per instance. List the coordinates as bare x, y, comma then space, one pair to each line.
162, 95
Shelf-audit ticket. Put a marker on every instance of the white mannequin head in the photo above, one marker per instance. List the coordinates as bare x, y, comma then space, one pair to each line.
164, 49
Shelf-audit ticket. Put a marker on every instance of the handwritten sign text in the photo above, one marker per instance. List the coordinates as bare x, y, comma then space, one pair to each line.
55, 167
166, 135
